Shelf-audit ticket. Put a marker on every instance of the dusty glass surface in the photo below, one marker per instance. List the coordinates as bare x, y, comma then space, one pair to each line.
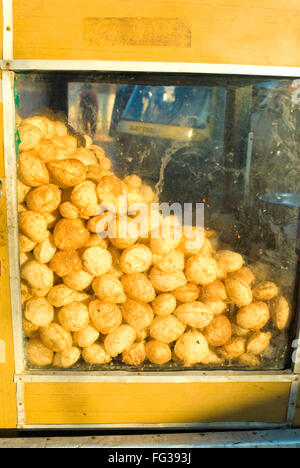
226, 147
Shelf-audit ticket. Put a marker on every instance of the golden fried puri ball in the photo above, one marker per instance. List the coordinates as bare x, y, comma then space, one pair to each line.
217, 307
98, 224
105, 316
46, 150
97, 261
86, 156
249, 360
240, 331
165, 243
25, 257
123, 232
138, 314
100, 154
30, 136
234, 348
32, 171
95, 173
195, 314
39, 277
96, 241
74, 316
60, 128
44, 199
67, 173
85, 199
70, 234
134, 355
78, 280
254, 316
238, 292
258, 342
109, 191
201, 269
215, 291
136, 259
192, 348
23, 191
55, 337
44, 251
212, 358
30, 330
45, 125
244, 274
138, 287
187, 293
86, 336
95, 354
166, 282
26, 245
218, 332
158, 352
25, 292
192, 240
166, 329
281, 313
172, 262
147, 193
119, 340
164, 304
66, 145
229, 261
133, 181
39, 312
33, 225
60, 295
266, 291
38, 354
67, 358
109, 289
65, 262
51, 218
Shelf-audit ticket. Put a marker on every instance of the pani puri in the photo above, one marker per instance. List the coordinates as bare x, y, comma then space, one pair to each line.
172, 262
239, 331
66, 146
37, 354
201, 269
86, 336
217, 307
86, 156
215, 291
85, 199
39, 312
39, 122
249, 360
44, 251
97, 261
70, 234
138, 314
234, 348
39, 277
254, 316
30, 135
51, 218
212, 358
60, 128
32, 171
98, 224
109, 289
192, 348
192, 240
123, 232
56, 338
136, 259
245, 275
26, 244
187, 293
60, 295
96, 241
109, 191
33, 225
258, 342
30, 330
133, 181
106, 317
23, 191
138, 287
195, 314
25, 292
164, 304
67, 358
65, 262
74, 316
158, 352
46, 150
67, 173
266, 291
95, 173
119, 340
281, 313
166, 329
229, 261
238, 292
78, 280
147, 193
218, 332
44, 199
135, 355
164, 245
95, 354
68, 210
166, 282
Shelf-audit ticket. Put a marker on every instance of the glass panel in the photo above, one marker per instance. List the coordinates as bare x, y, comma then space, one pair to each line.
159, 219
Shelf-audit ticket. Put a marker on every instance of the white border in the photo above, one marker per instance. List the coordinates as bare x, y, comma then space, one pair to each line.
7, 10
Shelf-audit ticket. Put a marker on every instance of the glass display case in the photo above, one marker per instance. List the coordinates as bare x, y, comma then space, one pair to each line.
158, 221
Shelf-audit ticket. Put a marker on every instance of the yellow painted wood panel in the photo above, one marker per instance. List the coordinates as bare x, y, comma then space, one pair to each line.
252, 32
125, 403
7, 387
